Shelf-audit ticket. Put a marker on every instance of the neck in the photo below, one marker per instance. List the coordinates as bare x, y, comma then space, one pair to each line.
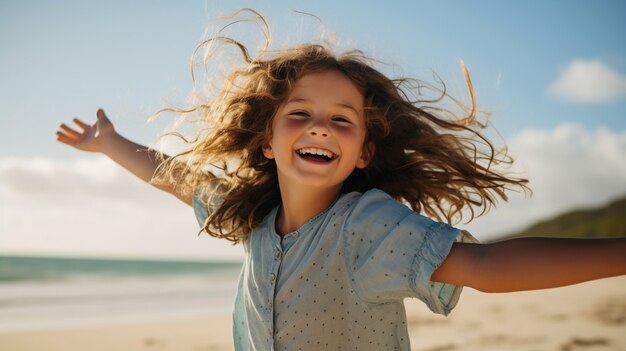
298, 207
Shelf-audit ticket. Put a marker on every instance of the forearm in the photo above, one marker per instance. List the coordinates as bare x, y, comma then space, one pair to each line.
540, 263
139, 160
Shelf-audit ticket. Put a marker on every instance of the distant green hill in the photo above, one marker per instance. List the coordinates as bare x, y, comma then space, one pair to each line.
608, 221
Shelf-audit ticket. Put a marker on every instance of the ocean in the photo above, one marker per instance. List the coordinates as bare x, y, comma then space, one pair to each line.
59, 292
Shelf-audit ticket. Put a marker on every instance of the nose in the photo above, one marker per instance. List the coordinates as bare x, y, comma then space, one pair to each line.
318, 127
313, 132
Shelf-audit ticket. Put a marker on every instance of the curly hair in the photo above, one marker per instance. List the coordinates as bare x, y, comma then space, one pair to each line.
425, 157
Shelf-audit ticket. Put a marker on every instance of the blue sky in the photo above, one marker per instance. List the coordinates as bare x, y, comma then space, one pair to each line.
66, 58
549, 71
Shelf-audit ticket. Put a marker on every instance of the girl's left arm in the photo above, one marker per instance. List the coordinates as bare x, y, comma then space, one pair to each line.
531, 263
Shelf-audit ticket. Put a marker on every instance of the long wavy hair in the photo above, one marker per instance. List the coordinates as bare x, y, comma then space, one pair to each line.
425, 156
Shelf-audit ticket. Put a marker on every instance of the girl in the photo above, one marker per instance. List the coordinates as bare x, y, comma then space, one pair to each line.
334, 164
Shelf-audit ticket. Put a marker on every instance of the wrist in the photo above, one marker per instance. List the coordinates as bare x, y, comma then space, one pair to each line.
110, 143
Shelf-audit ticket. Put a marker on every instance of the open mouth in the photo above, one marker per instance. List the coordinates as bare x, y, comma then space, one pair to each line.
315, 154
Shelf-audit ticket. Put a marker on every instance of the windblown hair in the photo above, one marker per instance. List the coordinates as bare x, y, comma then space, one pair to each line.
425, 157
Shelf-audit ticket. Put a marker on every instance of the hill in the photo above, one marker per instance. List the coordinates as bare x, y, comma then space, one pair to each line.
608, 221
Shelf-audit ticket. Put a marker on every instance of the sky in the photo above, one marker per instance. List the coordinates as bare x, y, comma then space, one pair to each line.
552, 75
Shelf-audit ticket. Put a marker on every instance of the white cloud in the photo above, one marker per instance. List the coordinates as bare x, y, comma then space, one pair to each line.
568, 167
589, 81
92, 206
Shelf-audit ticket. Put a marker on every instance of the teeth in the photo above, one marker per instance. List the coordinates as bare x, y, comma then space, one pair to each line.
315, 151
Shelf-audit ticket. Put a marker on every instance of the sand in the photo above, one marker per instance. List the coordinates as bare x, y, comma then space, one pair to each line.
583, 317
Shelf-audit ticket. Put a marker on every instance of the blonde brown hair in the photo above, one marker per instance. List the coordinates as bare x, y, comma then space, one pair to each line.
434, 162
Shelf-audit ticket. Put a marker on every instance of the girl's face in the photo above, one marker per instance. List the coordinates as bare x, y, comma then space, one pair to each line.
319, 132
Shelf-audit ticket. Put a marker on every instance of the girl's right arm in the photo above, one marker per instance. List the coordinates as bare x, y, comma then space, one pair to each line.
102, 137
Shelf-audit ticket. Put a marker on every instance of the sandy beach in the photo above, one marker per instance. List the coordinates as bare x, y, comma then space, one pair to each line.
584, 317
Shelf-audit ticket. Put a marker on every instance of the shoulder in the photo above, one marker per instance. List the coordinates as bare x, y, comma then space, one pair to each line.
207, 198
375, 203
374, 216
355, 204
372, 196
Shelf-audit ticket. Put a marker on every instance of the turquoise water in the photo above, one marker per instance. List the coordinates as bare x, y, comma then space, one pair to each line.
23, 268
57, 292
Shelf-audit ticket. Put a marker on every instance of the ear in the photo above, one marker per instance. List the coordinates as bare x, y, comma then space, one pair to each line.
268, 152
366, 155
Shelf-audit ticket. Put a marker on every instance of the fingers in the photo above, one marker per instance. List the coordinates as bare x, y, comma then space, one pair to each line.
70, 136
100, 114
70, 131
73, 137
84, 126
65, 139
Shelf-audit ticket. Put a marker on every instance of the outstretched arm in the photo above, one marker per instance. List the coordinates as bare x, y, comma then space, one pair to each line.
532, 263
102, 137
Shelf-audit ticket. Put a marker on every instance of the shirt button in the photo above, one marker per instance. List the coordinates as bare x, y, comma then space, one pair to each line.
295, 234
272, 277
278, 254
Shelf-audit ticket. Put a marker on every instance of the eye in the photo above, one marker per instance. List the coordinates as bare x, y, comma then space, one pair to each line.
341, 119
299, 113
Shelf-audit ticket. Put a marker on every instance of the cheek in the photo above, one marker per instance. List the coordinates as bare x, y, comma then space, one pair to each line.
285, 128
281, 141
350, 137
346, 131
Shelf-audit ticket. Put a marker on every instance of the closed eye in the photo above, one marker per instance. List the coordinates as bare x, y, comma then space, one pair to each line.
299, 113
341, 119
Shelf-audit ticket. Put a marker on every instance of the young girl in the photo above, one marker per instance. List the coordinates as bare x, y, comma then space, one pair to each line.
336, 168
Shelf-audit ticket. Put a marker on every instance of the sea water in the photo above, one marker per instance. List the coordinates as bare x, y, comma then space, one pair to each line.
53, 292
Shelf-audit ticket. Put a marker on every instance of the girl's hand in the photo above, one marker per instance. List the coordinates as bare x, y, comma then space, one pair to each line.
92, 138
137, 159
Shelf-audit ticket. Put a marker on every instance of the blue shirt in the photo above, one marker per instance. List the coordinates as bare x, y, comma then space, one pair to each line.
339, 281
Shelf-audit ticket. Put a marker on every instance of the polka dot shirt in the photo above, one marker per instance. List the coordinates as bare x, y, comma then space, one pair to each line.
338, 282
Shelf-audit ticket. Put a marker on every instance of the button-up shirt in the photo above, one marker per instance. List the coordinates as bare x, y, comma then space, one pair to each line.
339, 281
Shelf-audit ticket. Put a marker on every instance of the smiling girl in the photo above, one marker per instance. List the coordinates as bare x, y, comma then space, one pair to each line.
337, 172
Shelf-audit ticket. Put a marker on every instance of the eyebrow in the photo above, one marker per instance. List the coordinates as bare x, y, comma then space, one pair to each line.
340, 104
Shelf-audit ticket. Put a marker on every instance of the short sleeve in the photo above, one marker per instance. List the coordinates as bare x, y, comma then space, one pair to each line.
394, 251
200, 206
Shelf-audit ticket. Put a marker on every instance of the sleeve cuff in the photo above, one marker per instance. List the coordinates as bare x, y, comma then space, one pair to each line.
440, 298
